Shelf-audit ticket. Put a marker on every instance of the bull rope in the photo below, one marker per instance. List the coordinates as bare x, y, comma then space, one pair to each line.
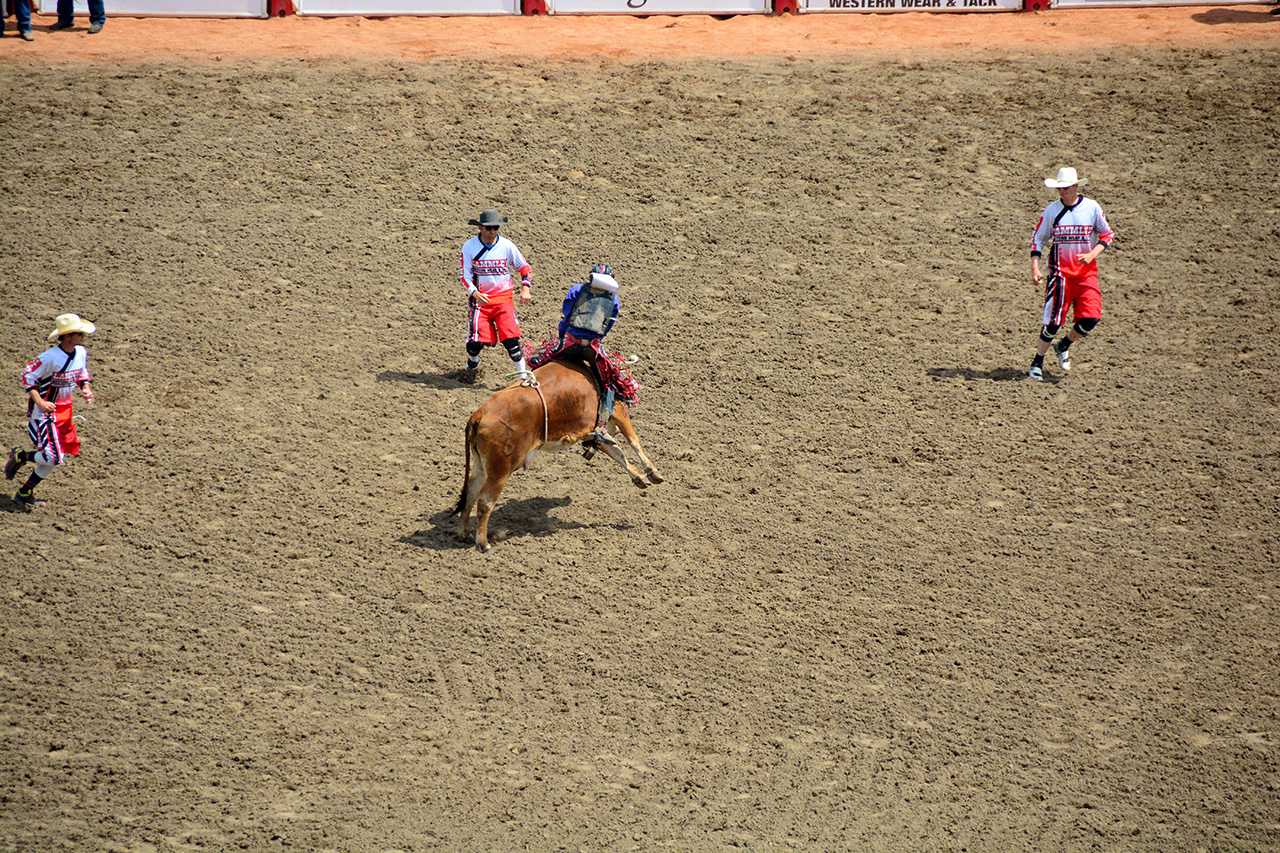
531, 381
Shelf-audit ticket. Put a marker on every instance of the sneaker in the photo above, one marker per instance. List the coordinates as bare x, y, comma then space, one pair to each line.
11, 467
95, 28
27, 499
1064, 357
60, 26
1036, 373
26, 35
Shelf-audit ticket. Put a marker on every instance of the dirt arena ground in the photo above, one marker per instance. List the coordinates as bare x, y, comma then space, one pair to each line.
893, 596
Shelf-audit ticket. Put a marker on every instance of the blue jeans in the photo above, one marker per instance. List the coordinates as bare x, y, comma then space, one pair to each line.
22, 15
67, 12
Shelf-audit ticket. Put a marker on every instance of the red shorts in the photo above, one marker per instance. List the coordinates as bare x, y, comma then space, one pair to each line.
59, 441
1079, 295
488, 324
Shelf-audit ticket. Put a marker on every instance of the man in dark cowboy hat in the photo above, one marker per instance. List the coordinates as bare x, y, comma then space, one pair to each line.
487, 263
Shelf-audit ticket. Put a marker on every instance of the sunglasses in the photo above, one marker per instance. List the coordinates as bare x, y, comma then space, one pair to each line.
489, 227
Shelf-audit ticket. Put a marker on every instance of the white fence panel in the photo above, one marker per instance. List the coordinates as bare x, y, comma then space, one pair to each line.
658, 7
170, 8
406, 7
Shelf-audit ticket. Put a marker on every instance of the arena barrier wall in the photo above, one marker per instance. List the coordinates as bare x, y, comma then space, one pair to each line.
334, 8
648, 7
169, 8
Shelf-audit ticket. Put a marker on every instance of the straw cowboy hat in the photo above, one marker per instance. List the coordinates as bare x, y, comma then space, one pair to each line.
68, 323
1066, 177
488, 217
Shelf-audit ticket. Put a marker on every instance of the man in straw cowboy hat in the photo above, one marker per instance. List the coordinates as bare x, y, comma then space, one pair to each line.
49, 382
487, 263
1078, 231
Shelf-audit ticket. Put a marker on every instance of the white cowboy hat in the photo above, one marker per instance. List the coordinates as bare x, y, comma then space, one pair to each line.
600, 281
1067, 177
68, 323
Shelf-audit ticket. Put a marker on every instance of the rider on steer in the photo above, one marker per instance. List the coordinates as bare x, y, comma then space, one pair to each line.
589, 311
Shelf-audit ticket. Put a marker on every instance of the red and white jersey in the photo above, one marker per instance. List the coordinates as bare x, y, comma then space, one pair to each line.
489, 268
1073, 231
55, 374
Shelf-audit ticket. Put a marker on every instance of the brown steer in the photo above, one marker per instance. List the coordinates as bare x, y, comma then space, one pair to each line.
503, 434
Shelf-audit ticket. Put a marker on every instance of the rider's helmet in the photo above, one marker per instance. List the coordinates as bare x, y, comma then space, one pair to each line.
601, 278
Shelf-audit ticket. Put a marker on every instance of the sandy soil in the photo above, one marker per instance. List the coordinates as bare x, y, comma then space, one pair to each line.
893, 595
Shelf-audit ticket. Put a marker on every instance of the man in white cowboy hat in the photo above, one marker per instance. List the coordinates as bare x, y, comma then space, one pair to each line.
487, 263
49, 382
1078, 231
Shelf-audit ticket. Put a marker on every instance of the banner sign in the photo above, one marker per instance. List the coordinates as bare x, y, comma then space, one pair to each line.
658, 7
913, 5
174, 8
1116, 4
377, 8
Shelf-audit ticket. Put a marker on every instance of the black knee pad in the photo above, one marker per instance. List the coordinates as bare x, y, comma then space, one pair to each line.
514, 349
1086, 325
473, 348
1047, 332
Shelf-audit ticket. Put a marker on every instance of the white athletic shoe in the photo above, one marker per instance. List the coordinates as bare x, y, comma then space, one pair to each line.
1064, 358
1036, 373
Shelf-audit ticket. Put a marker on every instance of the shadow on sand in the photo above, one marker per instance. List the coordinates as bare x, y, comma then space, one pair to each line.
1236, 16
440, 381
511, 520
1002, 374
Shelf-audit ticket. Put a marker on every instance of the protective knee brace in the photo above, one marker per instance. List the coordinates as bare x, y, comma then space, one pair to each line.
514, 348
473, 348
1086, 325
1047, 332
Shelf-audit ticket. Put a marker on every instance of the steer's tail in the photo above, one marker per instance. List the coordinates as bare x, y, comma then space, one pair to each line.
472, 426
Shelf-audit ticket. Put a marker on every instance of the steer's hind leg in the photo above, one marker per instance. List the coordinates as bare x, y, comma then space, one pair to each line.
620, 424
487, 500
471, 487
614, 452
